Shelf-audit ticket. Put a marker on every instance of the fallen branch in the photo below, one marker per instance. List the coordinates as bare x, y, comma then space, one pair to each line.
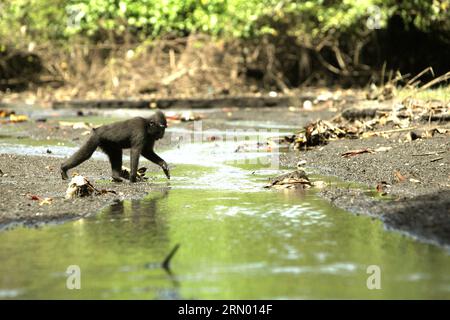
352, 153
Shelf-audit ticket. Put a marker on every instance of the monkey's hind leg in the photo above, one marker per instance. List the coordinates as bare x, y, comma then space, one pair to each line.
115, 158
135, 152
84, 153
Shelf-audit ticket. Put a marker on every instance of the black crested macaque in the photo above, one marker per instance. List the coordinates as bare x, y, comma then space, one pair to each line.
138, 134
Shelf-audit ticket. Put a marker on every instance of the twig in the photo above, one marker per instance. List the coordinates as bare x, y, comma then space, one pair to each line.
410, 82
166, 262
436, 159
428, 154
444, 77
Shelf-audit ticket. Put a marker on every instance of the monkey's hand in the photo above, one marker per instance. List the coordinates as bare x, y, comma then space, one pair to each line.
165, 168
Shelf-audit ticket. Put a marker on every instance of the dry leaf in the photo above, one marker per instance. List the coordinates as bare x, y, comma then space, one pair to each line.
17, 118
46, 201
383, 188
399, 176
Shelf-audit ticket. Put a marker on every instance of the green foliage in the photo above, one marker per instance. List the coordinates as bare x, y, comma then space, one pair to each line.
160, 17
63, 19
424, 14
37, 19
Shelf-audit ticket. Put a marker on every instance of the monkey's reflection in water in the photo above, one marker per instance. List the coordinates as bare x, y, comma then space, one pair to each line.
148, 217
149, 226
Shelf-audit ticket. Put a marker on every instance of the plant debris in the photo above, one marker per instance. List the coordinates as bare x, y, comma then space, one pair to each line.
433, 153
386, 92
11, 117
79, 186
42, 201
319, 133
352, 153
293, 180
33, 197
140, 173
357, 123
399, 177
6, 113
185, 116
47, 201
76, 125
383, 188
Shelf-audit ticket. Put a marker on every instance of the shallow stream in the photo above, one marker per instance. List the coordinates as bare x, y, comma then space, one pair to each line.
238, 241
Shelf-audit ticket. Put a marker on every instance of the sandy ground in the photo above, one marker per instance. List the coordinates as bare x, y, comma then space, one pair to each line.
39, 176
419, 205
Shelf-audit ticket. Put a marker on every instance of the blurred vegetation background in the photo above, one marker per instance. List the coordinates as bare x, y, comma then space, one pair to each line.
268, 44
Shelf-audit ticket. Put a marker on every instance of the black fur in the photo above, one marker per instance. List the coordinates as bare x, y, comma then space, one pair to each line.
138, 134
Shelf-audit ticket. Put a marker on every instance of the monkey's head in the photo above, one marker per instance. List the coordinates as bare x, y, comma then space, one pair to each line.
157, 125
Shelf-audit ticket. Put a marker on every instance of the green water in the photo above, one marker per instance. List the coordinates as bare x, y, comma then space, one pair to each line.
237, 241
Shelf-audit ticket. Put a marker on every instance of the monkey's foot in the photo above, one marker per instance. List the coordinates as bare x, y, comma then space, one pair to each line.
64, 175
117, 179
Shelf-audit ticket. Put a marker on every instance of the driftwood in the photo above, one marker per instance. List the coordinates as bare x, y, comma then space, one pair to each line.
443, 117
356, 113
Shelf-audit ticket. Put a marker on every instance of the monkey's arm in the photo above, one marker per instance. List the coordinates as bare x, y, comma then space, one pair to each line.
153, 157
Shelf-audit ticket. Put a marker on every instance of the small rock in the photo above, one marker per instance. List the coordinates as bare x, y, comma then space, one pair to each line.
319, 184
307, 105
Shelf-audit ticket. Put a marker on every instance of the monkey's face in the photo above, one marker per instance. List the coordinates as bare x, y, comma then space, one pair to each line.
158, 125
160, 132
157, 130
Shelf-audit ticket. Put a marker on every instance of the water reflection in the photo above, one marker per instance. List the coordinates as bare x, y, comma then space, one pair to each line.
272, 246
